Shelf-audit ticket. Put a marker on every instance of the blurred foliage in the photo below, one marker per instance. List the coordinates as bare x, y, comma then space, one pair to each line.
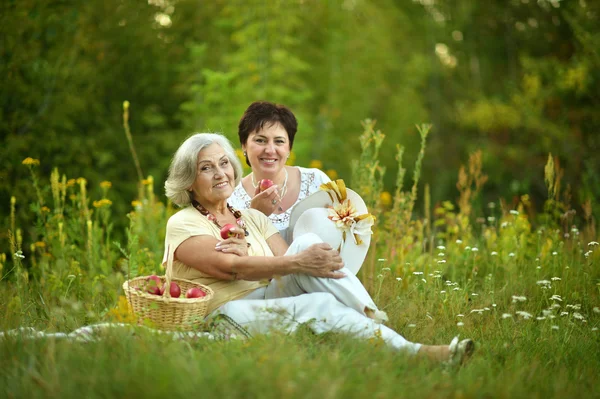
515, 79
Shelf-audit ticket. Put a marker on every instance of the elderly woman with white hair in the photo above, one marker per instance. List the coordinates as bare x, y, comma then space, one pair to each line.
253, 282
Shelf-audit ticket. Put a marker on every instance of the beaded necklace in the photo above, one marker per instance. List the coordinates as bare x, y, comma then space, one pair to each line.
237, 214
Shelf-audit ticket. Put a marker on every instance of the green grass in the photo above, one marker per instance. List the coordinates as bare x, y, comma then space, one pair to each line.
525, 287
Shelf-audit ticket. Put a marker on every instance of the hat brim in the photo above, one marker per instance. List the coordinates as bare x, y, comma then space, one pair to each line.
316, 222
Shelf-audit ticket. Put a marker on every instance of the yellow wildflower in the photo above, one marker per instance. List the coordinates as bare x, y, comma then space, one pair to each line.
102, 202
71, 182
291, 158
81, 180
386, 198
149, 181
31, 161
40, 244
125, 105
136, 204
315, 163
45, 209
13, 200
332, 173
106, 184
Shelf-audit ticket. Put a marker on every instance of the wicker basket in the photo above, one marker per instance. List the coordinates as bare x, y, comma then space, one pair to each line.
165, 312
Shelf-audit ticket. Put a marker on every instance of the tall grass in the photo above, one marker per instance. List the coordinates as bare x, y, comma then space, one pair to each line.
525, 286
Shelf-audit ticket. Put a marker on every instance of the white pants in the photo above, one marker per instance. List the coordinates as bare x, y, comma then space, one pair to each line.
326, 304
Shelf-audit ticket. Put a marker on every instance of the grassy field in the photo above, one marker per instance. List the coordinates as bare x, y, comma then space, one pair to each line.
524, 285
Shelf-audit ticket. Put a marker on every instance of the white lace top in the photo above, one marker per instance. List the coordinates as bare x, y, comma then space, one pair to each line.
310, 180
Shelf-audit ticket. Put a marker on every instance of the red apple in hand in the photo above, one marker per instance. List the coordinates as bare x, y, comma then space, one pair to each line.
195, 293
175, 291
264, 184
226, 231
153, 284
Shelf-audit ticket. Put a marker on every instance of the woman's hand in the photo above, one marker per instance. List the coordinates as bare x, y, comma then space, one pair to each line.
236, 244
266, 201
320, 260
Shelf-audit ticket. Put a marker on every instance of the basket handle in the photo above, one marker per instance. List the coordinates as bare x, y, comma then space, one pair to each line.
169, 271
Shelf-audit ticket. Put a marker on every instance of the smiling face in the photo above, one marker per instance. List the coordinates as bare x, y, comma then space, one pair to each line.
268, 149
215, 177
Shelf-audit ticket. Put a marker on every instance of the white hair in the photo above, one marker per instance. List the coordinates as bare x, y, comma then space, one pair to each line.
184, 166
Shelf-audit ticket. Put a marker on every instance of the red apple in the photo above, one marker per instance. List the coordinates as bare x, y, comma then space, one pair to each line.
264, 184
175, 291
195, 293
226, 231
153, 284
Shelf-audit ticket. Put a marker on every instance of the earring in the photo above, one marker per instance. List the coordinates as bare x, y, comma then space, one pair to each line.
245, 154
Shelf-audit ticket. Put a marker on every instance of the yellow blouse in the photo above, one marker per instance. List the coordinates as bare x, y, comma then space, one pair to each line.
188, 222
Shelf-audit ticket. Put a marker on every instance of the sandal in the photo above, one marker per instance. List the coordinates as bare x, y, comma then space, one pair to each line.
461, 351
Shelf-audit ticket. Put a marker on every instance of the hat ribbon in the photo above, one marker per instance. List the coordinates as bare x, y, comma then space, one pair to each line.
344, 214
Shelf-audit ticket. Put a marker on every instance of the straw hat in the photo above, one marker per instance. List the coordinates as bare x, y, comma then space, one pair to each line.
340, 217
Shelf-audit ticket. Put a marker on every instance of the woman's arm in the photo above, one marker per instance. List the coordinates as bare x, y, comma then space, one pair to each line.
200, 253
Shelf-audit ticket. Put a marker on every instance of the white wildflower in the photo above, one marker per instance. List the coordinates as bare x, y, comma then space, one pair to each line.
555, 327
386, 269
493, 305
460, 315
381, 260
474, 294
575, 307
491, 219
588, 253
467, 248
441, 255
578, 316
460, 324
555, 305
506, 315
555, 279
474, 249
593, 243
486, 308
564, 313
546, 312
504, 224
455, 289
513, 212
594, 328
544, 282
442, 292
596, 310
398, 278
540, 318
418, 273
494, 253
411, 325
554, 253
459, 241
524, 314
441, 261
425, 281
441, 247
517, 298
511, 254
480, 311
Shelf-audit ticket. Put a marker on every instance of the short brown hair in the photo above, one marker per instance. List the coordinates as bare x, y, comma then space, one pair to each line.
261, 113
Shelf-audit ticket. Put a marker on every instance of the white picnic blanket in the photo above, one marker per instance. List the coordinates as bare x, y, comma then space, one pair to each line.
95, 332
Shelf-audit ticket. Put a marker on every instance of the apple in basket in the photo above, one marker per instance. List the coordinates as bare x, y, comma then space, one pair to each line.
226, 231
153, 284
195, 292
174, 290
264, 184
